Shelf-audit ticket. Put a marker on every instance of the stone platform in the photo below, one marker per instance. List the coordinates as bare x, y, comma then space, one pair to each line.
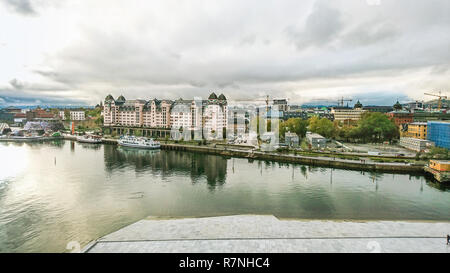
268, 234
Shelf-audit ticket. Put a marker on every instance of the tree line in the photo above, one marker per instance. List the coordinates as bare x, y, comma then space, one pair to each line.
372, 127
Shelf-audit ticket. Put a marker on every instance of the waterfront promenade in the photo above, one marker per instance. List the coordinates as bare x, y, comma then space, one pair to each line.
268, 234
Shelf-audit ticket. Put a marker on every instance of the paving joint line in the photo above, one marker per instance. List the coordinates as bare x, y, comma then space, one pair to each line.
277, 238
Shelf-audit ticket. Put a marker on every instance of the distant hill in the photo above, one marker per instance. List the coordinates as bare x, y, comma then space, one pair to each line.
434, 103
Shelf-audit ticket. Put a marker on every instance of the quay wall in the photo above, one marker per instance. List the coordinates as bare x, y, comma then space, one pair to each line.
334, 163
306, 160
6, 139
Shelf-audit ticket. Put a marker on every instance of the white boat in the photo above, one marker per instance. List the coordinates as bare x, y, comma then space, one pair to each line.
138, 142
21, 138
89, 139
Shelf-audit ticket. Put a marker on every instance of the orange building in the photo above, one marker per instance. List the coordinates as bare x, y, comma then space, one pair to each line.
440, 165
417, 130
401, 117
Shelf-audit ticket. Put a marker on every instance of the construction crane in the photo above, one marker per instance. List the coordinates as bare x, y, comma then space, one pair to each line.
341, 101
440, 98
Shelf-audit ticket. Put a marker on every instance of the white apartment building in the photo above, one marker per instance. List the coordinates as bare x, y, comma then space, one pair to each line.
215, 112
345, 113
136, 113
193, 115
74, 115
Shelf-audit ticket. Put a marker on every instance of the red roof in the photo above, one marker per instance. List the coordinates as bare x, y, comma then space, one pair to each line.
20, 115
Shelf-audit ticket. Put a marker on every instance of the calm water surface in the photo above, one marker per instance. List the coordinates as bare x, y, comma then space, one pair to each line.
54, 193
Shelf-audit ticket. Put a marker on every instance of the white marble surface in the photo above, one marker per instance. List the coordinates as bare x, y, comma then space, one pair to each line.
266, 233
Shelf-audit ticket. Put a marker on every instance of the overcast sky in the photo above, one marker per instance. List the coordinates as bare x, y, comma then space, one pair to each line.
77, 52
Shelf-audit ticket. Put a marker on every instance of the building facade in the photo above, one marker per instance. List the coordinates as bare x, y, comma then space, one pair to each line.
400, 117
184, 115
440, 165
379, 109
439, 133
282, 104
417, 130
294, 114
415, 144
316, 140
346, 113
291, 139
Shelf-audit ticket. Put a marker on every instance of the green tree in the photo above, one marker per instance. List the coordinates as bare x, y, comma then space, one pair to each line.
294, 125
67, 115
99, 121
376, 127
439, 153
322, 126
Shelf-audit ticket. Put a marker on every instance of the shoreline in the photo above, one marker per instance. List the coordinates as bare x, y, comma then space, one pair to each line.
319, 161
306, 160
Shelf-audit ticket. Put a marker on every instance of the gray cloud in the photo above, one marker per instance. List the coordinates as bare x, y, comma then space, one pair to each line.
21, 6
16, 84
322, 25
247, 49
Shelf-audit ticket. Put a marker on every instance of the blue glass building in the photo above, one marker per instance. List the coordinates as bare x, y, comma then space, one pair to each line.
439, 133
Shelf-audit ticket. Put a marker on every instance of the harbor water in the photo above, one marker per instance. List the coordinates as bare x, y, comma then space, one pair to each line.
56, 193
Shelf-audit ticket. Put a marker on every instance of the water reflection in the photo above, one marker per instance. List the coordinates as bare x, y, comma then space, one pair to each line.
56, 192
90, 146
196, 166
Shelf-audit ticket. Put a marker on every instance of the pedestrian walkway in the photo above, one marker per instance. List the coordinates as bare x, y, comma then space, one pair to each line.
266, 233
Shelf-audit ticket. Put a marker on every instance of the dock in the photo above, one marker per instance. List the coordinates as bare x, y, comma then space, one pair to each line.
268, 234
31, 139
441, 176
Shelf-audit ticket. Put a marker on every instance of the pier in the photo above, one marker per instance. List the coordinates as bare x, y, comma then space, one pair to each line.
268, 234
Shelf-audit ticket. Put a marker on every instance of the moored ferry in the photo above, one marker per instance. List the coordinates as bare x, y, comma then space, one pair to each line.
89, 139
138, 142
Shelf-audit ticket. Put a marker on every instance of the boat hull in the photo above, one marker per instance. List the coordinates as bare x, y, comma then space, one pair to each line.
139, 146
89, 140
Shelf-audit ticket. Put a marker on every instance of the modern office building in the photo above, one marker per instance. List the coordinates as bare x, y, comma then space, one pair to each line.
415, 144
316, 140
291, 139
439, 133
412, 106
